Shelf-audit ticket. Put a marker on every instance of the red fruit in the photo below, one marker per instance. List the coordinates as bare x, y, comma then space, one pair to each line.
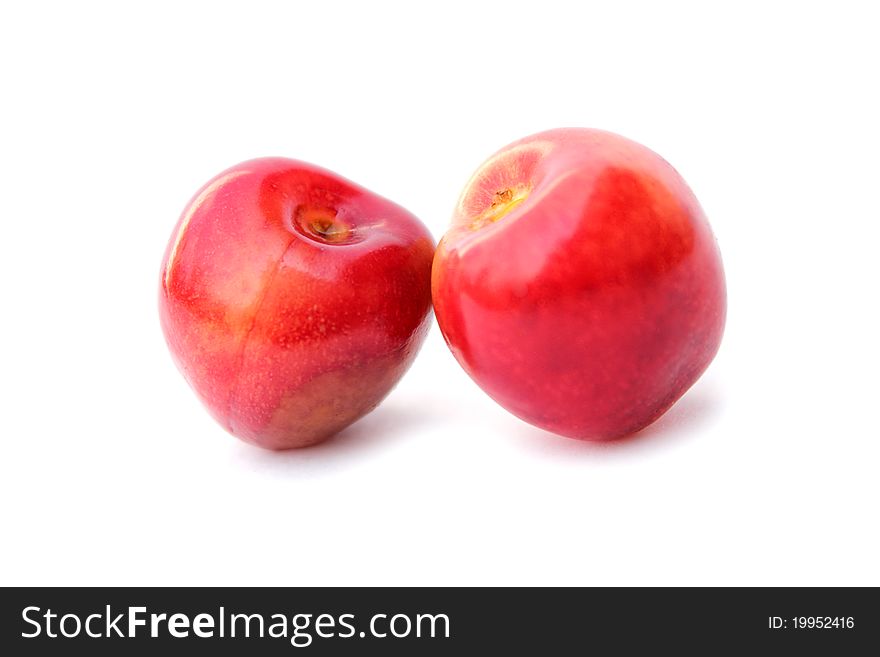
580, 285
293, 300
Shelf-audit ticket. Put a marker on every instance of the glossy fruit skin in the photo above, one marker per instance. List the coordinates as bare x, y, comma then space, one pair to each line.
288, 333
597, 300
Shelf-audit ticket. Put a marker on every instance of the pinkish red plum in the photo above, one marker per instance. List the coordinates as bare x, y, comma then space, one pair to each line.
580, 284
293, 300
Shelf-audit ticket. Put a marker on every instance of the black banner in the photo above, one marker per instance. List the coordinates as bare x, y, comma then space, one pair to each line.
408, 621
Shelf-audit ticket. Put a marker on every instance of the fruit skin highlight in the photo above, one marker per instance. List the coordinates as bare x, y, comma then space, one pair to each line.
293, 300
580, 285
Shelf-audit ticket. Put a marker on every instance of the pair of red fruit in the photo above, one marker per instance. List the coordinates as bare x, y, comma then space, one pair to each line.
579, 285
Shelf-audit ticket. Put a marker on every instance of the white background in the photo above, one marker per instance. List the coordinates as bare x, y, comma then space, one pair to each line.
112, 116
